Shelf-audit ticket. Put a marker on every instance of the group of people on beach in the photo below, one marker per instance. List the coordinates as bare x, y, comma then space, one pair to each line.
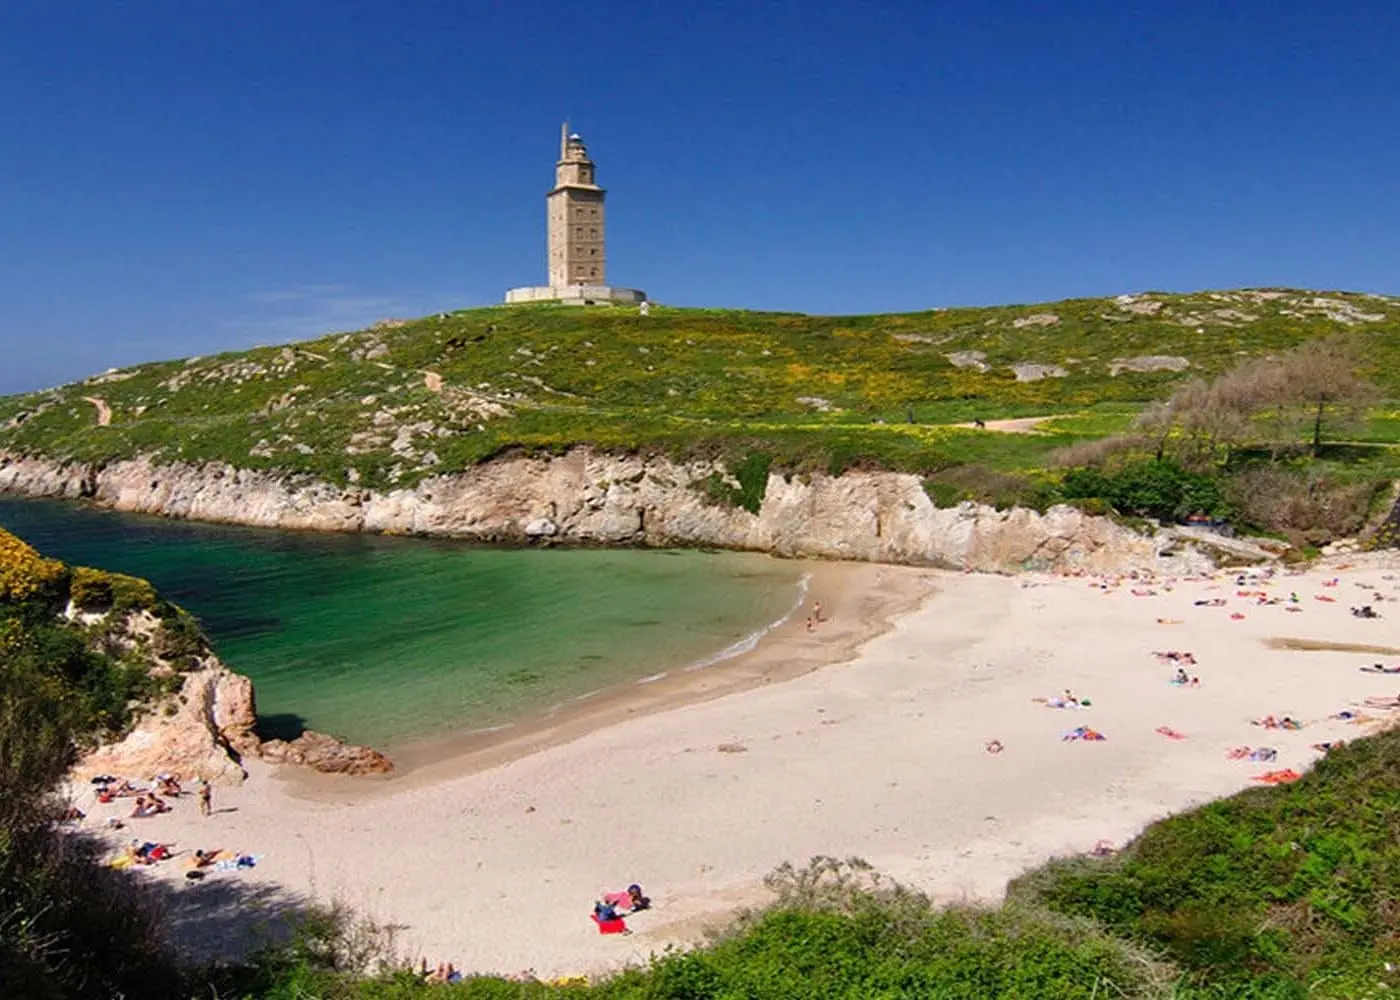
148, 800
815, 618
1253, 581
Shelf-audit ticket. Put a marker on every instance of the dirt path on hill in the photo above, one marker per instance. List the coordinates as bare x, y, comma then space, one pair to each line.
1020, 425
104, 412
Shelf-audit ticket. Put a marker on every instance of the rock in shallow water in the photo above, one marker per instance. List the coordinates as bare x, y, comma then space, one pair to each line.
328, 754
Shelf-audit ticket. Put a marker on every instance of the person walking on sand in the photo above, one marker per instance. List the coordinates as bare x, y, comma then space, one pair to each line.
206, 794
817, 611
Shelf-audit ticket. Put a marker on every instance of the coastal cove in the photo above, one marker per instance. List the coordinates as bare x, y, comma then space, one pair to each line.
403, 641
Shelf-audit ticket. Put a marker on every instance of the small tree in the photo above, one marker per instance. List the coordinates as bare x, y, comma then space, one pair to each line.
1321, 378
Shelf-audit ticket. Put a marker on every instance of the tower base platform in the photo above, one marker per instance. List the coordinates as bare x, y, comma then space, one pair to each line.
577, 295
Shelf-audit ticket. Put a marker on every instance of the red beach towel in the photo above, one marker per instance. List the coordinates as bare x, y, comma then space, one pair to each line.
618, 926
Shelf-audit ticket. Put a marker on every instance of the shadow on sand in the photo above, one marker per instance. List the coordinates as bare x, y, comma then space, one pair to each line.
223, 917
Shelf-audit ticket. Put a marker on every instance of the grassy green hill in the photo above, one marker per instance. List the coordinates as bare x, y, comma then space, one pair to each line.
399, 401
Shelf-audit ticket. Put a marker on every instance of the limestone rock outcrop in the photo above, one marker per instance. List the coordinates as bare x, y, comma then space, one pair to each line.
328, 754
184, 735
585, 497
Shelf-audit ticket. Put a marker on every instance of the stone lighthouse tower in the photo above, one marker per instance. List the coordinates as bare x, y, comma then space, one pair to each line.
577, 255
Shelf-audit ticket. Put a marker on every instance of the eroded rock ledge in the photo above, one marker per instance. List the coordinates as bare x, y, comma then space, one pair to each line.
208, 728
589, 498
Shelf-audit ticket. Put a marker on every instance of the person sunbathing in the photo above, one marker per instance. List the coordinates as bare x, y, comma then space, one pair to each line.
1380, 668
1182, 677
1268, 722
630, 899
168, 784
127, 789
142, 808
148, 853
203, 859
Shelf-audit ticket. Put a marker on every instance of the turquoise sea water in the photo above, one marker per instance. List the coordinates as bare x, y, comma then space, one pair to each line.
390, 640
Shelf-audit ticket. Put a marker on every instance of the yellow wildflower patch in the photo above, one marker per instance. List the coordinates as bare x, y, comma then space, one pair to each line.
22, 570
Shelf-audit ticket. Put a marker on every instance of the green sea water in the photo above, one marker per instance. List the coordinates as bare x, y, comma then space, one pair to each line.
392, 640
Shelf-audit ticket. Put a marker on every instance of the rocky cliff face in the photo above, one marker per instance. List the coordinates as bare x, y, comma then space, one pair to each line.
589, 498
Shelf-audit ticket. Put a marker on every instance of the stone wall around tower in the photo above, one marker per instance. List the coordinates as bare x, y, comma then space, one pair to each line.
576, 295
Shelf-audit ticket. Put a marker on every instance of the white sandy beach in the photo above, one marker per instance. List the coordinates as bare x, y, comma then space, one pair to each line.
882, 757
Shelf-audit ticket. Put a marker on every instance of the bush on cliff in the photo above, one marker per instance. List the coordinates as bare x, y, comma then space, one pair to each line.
1160, 489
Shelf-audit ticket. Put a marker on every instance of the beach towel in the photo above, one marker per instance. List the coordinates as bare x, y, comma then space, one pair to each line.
238, 862
1237, 753
618, 926
1278, 777
1263, 755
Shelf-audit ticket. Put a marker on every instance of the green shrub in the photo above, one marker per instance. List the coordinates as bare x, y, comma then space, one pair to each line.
97, 590
1160, 489
751, 473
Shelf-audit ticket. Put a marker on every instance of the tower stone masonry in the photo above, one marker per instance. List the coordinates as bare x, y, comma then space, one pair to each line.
577, 258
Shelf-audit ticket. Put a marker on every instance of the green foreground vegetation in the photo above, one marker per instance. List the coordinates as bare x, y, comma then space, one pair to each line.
1278, 893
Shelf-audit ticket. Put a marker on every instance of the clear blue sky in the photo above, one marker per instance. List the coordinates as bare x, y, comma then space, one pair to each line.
180, 177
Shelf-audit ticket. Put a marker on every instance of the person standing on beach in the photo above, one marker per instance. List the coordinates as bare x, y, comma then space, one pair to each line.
206, 794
